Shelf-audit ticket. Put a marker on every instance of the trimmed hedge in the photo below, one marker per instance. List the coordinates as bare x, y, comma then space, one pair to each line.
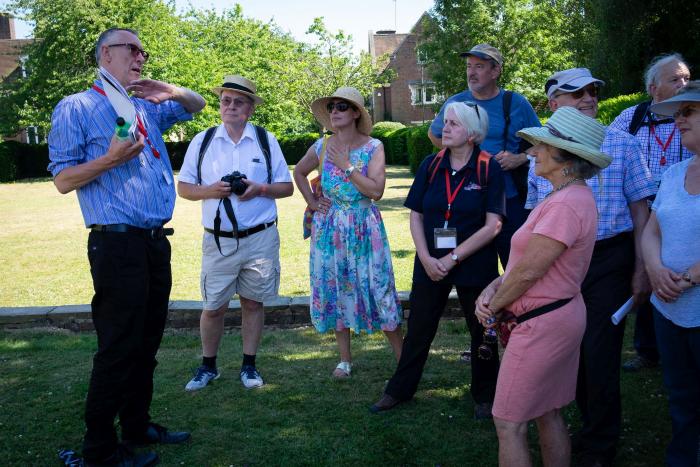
609, 109
419, 146
295, 146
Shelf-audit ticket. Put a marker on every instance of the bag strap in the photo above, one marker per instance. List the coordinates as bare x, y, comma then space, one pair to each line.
322, 156
202, 150
482, 168
264, 144
435, 164
507, 100
542, 310
638, 117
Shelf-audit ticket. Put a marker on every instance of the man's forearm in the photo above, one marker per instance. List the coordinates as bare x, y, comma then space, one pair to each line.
277, 190
190, 100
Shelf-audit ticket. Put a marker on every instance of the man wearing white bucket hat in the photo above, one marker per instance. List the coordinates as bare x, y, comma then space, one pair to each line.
616, 270
240, 166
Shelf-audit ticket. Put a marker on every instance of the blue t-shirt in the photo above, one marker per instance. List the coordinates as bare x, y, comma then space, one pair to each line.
468, 215
522, 116
678, 213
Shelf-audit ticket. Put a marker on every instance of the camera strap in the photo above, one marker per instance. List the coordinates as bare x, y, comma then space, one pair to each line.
228, 207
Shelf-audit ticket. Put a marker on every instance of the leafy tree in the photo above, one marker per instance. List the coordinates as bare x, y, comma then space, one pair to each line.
534, 36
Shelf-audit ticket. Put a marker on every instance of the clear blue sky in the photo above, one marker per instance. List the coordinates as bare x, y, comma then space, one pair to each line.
295, 16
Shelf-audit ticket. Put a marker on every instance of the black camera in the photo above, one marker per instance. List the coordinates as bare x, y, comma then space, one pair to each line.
235, 178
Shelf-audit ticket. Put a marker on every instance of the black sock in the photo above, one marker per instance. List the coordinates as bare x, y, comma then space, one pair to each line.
209, 362
248, 360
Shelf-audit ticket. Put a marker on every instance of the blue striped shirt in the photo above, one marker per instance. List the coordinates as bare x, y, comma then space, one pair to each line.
139, 192
626, 180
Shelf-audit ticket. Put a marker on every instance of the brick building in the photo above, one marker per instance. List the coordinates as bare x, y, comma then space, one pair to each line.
11, 67
410, 97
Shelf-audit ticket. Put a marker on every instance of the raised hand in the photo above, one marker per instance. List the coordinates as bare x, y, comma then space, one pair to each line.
152, 90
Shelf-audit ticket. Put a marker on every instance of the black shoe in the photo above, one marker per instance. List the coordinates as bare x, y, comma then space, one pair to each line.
387, 402
482, 411
124, 457
157, 434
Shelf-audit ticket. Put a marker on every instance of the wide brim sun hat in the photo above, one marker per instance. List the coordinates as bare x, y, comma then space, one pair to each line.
349, 94
572, 131
670, 106
239, 84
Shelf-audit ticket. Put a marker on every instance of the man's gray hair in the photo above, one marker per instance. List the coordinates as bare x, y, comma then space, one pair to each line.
651, 75
107, 34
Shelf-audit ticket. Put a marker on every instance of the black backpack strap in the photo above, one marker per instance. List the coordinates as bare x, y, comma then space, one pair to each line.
507, 100
638, 117
265, 146
202, 150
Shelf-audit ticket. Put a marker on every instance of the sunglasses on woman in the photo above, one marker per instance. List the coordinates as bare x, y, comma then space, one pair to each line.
341, 106
134, 49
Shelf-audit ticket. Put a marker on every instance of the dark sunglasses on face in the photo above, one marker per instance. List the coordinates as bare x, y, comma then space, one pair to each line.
685, 112
578, 94
134, 49
237, 102
341, 106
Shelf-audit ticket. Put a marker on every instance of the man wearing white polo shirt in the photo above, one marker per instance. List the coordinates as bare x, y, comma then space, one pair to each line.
240, 247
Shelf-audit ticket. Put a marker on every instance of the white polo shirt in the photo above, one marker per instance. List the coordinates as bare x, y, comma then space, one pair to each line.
223, 157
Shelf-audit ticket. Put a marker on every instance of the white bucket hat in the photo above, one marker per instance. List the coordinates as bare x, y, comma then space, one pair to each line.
572, 131
353, 96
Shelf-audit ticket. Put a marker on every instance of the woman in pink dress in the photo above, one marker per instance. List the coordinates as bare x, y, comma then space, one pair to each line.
550, 255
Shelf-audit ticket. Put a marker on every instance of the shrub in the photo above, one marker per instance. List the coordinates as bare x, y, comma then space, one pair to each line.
611, 108
386, 127
295, 146
8, 164
419, 146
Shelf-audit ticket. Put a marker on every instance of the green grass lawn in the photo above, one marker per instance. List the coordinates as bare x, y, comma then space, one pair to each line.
300, 417
43, 244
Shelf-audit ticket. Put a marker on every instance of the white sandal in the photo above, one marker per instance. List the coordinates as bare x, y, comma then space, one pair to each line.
345, 370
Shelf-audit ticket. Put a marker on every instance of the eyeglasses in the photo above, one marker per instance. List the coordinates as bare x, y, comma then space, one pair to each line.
134, 49
475, 107
578, 94
341, 106
685, 112
237, 101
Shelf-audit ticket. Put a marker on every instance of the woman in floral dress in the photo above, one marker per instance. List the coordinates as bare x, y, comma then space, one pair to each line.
352, 280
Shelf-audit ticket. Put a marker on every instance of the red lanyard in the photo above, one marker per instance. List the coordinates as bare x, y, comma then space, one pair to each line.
663, 146
142, 128
450, 195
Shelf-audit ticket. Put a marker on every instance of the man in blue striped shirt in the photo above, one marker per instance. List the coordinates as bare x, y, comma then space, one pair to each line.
126, 194
616, 270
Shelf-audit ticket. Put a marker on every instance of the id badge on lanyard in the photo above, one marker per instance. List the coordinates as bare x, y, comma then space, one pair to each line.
446, 237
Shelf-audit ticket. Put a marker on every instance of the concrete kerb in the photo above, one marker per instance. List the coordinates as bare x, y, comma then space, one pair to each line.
183, 314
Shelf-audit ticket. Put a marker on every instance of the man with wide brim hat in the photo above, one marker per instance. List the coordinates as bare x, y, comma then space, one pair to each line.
237, 170
354, 98
616, 271
241, 85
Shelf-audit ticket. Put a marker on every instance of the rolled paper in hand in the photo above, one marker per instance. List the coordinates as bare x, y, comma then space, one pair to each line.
620, 314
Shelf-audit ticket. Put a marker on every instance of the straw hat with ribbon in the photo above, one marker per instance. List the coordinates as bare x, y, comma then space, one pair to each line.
351, 95
238, 84
572, 131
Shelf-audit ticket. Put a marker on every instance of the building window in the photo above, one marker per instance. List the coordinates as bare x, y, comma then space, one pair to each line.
422, 94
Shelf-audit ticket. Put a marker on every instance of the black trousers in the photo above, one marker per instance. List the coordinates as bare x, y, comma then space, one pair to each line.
132, 279
428, 302
606, 287
516, 215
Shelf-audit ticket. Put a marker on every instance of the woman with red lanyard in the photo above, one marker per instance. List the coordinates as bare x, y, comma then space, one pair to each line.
457, 205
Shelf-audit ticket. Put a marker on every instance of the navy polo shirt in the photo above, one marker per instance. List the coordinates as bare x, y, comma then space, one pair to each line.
468, 215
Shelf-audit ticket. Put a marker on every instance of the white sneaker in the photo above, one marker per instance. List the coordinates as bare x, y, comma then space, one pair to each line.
250, 377
202, 378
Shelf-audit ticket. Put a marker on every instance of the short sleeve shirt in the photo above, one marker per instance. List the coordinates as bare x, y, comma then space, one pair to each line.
469, 210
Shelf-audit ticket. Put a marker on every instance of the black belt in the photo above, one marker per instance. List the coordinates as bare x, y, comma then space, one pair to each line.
243, 233
154, 233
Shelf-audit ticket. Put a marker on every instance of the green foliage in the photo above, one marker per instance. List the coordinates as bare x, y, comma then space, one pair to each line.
385, 127
609, 109
295, 146
419, 146
535, 37
8, 163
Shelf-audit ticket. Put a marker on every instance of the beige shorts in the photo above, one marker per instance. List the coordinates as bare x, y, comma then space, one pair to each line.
252, 271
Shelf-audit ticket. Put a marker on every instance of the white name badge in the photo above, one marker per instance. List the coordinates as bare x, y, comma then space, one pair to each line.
445, 238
